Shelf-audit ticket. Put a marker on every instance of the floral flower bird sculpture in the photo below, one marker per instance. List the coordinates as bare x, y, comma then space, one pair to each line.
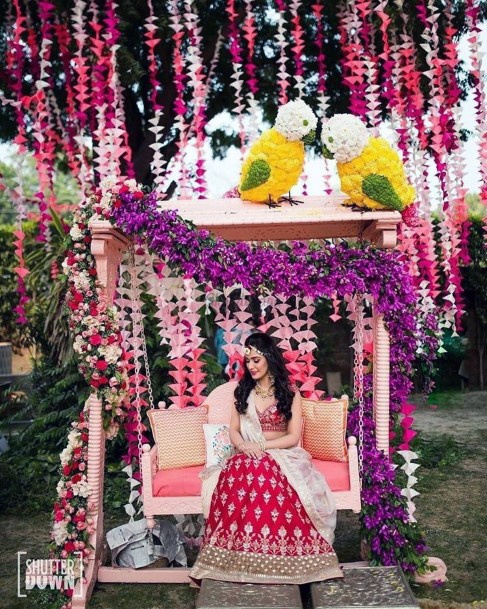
371, 172
275, 161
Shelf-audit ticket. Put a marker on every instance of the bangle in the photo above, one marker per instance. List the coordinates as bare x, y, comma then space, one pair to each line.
262, 445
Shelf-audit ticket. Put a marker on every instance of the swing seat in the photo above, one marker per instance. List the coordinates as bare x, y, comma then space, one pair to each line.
178, 491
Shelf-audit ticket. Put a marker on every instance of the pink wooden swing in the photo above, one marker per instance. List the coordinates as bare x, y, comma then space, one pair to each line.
317, 218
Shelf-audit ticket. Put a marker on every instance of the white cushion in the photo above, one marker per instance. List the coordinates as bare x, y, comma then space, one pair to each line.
218, 445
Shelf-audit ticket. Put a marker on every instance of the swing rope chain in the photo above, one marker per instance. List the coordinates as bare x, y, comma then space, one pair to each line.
359, 376
138, 330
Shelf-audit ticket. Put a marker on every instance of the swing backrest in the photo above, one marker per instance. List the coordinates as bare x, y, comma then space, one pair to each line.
219, 403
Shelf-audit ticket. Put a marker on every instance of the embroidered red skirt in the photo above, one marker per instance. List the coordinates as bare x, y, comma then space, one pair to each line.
257, 530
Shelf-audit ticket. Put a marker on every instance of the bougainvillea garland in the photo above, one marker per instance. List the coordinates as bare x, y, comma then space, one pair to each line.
315, 269
306, 269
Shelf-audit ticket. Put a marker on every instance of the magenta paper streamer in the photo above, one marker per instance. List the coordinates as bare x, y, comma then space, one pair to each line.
281, 39
297, 47
158, 163
237, 72
196, 74
323, 97
354, 67
250, 35
180, 79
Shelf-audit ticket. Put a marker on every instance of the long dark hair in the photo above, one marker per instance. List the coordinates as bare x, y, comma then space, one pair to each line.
277, 368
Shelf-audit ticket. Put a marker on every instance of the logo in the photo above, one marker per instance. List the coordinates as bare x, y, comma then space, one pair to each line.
49, 574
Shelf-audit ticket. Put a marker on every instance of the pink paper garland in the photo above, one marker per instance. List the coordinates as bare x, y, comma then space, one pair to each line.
281, 38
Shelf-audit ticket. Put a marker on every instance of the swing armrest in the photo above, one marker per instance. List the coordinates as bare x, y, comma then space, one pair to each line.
353, 472
149, 465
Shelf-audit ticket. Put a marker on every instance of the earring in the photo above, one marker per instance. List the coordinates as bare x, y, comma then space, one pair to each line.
271, 379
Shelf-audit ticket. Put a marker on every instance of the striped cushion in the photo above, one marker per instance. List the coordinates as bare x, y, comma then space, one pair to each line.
178, 434
325, 425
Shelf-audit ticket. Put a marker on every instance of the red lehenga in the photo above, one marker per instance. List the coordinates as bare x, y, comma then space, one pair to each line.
270, 520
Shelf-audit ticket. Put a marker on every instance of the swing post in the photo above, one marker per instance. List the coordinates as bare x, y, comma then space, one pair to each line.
107, 247
381, 382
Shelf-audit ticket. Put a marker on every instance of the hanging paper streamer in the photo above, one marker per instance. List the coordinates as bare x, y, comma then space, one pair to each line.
16, 195
281, 38
196, 77
152, 41
178, 310
131, 285
180, 78
292, 327
409, 468
297, 47
237, 72
306, 339
323, 97
234, 320
250, 35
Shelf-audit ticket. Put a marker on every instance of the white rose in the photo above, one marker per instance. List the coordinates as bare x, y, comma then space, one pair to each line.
75, 233
131, 185
108, 183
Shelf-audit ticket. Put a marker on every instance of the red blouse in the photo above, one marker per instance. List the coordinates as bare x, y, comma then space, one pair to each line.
271, 419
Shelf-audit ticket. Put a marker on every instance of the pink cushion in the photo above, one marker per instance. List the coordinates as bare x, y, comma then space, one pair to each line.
335, 473
180, 482
185, 481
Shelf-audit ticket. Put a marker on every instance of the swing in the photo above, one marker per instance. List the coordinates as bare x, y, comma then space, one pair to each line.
246, 222
177, 490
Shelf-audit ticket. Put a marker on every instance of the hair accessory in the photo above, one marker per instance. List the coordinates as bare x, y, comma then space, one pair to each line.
248, 350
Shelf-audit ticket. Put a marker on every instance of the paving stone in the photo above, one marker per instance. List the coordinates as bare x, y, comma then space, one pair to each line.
381, 587
227, 595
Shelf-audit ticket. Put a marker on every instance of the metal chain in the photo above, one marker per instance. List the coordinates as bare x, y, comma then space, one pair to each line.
138, 330
358, 380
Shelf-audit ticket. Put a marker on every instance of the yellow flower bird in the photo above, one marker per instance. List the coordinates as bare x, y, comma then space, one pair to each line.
275, 161
371, 173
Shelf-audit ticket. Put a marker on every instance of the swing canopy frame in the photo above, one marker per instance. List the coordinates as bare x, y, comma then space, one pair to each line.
316, 218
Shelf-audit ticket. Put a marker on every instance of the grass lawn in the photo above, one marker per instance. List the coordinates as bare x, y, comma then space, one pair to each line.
450, 509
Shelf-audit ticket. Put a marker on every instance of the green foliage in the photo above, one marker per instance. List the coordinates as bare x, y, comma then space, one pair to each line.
10, 330
258, 173
476, 209
448, 363
66, 189
47, 328
58, 395
438, 451
380, 189
475, 274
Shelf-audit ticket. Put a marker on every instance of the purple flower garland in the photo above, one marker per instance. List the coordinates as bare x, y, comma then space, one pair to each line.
316, 270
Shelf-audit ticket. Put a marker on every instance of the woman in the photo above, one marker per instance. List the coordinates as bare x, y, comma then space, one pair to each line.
272, 516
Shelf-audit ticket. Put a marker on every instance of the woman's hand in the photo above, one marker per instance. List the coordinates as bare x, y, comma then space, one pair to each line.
252, 449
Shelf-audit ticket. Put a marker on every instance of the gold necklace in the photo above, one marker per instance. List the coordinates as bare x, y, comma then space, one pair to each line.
264, 393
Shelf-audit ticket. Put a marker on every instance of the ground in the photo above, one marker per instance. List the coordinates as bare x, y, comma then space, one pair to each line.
450, 510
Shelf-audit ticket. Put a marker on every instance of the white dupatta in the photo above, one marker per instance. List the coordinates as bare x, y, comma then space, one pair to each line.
296, 465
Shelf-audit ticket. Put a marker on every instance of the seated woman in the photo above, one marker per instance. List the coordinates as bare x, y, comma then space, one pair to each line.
272, 516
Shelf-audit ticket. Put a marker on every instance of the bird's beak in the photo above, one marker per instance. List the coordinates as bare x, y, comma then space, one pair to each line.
310, 137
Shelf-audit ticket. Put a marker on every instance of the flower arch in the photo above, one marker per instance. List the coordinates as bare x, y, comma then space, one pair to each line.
314, 269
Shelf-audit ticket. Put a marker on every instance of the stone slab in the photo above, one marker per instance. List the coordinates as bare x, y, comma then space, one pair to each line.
228, 595
381, 587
